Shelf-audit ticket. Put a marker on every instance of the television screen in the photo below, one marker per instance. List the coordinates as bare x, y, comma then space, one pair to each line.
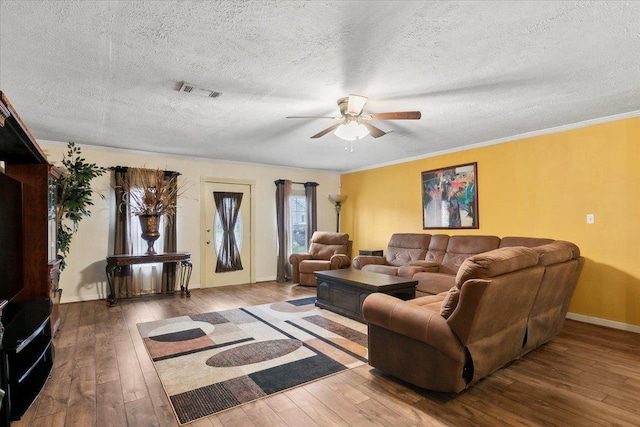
10, 237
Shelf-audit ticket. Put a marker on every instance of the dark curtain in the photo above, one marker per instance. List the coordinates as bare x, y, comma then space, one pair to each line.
312, 209
121, 238
228, 207
283, 190
170, 240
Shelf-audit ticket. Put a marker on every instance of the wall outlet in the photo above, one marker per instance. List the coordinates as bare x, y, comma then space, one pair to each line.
591, 219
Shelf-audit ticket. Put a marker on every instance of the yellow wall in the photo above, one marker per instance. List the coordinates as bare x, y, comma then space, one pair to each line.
541, 186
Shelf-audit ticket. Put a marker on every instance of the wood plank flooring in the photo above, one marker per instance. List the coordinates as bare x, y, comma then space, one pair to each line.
587, 376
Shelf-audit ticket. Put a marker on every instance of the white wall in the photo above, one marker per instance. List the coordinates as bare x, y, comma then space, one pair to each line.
84, 278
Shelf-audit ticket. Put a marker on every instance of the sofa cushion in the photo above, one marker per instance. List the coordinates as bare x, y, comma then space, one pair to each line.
383, 269
434, 283
325, 244
450, 302
311, 265
325, 252
430, 302
496, 262
574, 249
460, 248
406, 247
408, 271
529, 242
437, 248
553, 253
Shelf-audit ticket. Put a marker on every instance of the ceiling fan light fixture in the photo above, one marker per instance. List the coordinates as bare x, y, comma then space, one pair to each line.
356, 104
352, 105
351, 131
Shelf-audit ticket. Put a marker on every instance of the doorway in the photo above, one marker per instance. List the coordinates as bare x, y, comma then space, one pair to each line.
227, 232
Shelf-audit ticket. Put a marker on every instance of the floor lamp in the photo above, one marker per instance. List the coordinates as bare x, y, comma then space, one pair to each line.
337, 200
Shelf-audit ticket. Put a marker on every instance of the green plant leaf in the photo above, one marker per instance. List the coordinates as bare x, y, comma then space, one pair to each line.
73, 191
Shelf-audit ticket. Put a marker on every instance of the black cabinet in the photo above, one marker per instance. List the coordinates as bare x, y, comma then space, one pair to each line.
26, 355
376, 252
28, 272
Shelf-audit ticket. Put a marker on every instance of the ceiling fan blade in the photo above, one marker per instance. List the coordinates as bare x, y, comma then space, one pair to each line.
374, 131
401, 115
327, 130
356, 104
313, 117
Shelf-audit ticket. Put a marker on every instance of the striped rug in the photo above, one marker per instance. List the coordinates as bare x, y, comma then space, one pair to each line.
214, 361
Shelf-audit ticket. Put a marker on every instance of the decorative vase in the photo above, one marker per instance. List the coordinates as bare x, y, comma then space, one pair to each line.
150, 233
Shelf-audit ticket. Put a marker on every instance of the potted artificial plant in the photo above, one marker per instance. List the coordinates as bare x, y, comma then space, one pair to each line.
73, 196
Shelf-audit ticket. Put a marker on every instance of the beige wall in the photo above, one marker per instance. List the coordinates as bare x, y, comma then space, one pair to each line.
84, 277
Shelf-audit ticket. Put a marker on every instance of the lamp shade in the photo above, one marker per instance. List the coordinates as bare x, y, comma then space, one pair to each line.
337, 198
351, 131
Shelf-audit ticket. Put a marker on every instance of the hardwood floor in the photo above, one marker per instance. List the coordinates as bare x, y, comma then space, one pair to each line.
587, 376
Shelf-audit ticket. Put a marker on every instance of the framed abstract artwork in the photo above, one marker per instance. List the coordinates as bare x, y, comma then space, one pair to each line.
450, 197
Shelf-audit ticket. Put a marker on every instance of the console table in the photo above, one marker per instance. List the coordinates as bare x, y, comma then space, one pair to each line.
181, 259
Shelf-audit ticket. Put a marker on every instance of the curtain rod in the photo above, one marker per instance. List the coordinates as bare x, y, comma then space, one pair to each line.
125, 168
315, 184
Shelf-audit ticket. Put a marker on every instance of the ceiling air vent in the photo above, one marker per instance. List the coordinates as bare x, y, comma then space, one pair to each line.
191, 88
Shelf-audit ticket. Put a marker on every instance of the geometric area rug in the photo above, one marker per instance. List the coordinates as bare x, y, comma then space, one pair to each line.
211, 362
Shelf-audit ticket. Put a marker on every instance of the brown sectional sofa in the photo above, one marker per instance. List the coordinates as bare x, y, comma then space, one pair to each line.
434, 260
504, 303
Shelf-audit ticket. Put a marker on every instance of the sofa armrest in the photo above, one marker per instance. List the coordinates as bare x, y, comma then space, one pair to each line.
411, 320
338, 261
427, 266
295, 260
362, 260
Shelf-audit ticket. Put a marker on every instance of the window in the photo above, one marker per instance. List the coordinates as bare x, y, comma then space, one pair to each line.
147, 278
298, 225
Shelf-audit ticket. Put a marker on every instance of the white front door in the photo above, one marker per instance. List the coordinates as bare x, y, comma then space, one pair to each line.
227, 255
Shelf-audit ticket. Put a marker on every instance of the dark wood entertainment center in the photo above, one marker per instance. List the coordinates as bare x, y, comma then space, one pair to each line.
29, 292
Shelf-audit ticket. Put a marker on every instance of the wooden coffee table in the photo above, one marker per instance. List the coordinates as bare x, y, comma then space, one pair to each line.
343, 291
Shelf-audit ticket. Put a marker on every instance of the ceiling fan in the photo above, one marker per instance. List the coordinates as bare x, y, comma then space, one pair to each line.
353, 123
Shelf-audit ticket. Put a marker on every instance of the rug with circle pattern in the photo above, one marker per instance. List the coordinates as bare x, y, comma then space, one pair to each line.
210, 362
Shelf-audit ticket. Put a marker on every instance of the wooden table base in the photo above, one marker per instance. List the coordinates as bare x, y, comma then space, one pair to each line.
181, 259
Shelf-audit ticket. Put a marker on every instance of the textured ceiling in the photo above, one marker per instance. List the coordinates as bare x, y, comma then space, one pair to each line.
105, 73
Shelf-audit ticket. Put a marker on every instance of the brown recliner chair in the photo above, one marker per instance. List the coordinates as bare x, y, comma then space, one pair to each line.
327, 251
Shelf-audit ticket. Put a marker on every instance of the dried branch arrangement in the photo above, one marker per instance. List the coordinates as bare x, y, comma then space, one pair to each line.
151, 192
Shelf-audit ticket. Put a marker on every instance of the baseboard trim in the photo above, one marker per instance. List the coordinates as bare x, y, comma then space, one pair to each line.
78, 298
93, 297
604, 322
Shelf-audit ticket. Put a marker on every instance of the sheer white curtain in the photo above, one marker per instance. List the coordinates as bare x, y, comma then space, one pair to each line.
146, 278
283, 191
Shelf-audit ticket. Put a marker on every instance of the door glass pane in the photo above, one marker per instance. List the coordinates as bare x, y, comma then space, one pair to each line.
218, 232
